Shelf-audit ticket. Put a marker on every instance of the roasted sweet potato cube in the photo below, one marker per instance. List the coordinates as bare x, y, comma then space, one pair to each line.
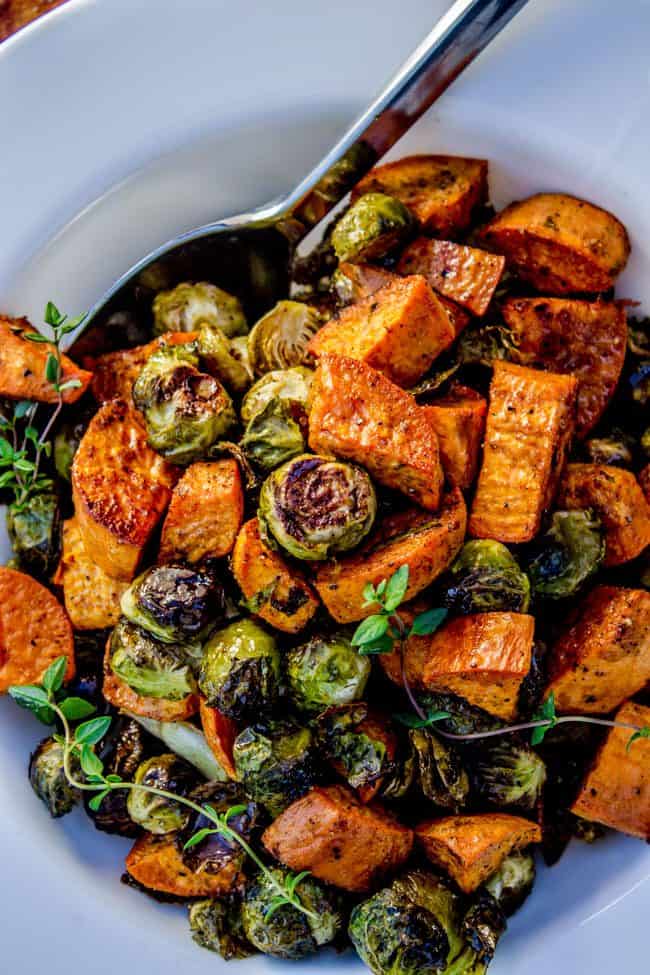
398, 330
529, 425
274, 590
220, 733
459, 421
121, 489
466, 275
358, 414
22, 366
560, 244
121, 696
441, 191
115, 372
156, 863
426, 542
616, 792
616, 496
584, 338
205, 513
604, 656
92, 599
341, 841
470, 848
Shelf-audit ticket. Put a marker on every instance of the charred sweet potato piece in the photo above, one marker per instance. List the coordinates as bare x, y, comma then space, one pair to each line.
34, 630
220, 733
274, 590
155, 863
584, 338
399, 330
120, 695
441, 191
616, 792
338, 839
470, 848
616, 496
205, 513
22, 366
121, 489
92, 599
560, 244
459, 421
358, 414
115, 372
466, 275
604, 656
529, 425
426, 542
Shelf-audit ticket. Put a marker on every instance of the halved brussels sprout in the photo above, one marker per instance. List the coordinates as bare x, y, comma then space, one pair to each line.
485, 578
291, 385
507, 773
571, 551
442, 775
513, 881
272, 436
614, 448
279, 339
188, 306
372, 227
121, 751
48, 778
157, 814
149, 667
314, 508
220, 359
173, 603
34, 533
240, 673
274, 763
356, 743
215, 851
326, 671
217, 926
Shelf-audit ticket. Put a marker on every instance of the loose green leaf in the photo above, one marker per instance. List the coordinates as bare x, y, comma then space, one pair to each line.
369, 594
90, 732
641, 733
71, 324
381, 588
545, 713
51, 315
274, 905
97, 800
114, 778
91, 764
370, 630
396, 588
75, 708
211, 811
199, 837
427, 623
52, 368
24, 466
410, 720
234, 811
384, 644
53, 676
37, 337
294, 880
22, 408
70, 384
29, 696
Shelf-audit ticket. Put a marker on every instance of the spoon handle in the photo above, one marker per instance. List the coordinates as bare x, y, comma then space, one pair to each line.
459, 35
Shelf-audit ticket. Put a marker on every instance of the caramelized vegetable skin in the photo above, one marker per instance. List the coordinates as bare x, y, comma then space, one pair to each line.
91, 597
458, 418
466, 275
220, 732
22, 367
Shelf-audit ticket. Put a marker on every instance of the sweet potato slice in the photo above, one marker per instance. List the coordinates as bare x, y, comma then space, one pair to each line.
274, 590
604, 656
441, 191
121, 489
92, 599
22, 366
466, 275
120, 695
459, 421
338, 839
616, 792
358, 414
34, 630
584, 338
470, 848
115, 372
617, 498
155, 863
399, 330
529, 425
220, 733
205, 513
560, 244
426, 542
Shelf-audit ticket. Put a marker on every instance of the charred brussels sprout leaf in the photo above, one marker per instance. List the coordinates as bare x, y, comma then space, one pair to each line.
48, 778
272, 436
485, 578
189, 306
33, 529
371, 228
121, 751
158, 814
314, 508
354, 745
507, 773
149, 667
217, 926
240, 673
464, 718
213, 852
483, 344
512, 882
173, 603
614, 448
287, 385
221, 359
279, 339
442, 775
274, 763
326, 671
482, 926
562, 559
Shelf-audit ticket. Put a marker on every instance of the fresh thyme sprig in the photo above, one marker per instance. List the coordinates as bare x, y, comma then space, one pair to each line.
49, 703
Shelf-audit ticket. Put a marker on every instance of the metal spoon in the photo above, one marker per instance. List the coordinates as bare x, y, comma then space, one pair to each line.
250, 254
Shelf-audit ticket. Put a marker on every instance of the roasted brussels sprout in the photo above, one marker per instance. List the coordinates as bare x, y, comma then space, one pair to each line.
513, 881
272, 436
586, 830
288, 385
279, 339
217, 926
562, 559
220, 359
506, 773
326, 671
274, 763
67, 439
359, 745
240, 673
482, 344
158, 814
442, 774
314, 508
48, 778
185, 411
34, 533
149, 667
464, 718
371, 228
286, 932
215, 851
614, 448
189, 306
482, 926
173, 603
121, 751
485, 578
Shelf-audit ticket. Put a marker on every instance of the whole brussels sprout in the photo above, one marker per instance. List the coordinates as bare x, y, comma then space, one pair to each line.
173, 603
149, 667
485, 578
215, 350
121, 751
286, 932
571, 551
359, 744
372, 227
158, 814
188, 306
272, 436
291, 385
614, 448
185, 411
314, 508
217, 926
442, 775
48, 779
507, 773
326, 671
34, 533
274, 763
279, 339
240, 673
214, 852
512, 882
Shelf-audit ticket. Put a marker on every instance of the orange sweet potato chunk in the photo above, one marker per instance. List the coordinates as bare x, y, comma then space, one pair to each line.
604, 656
220, 733
529, 426
466, 275
22, 366
120, 695
92, 598
155, 863
459, 421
